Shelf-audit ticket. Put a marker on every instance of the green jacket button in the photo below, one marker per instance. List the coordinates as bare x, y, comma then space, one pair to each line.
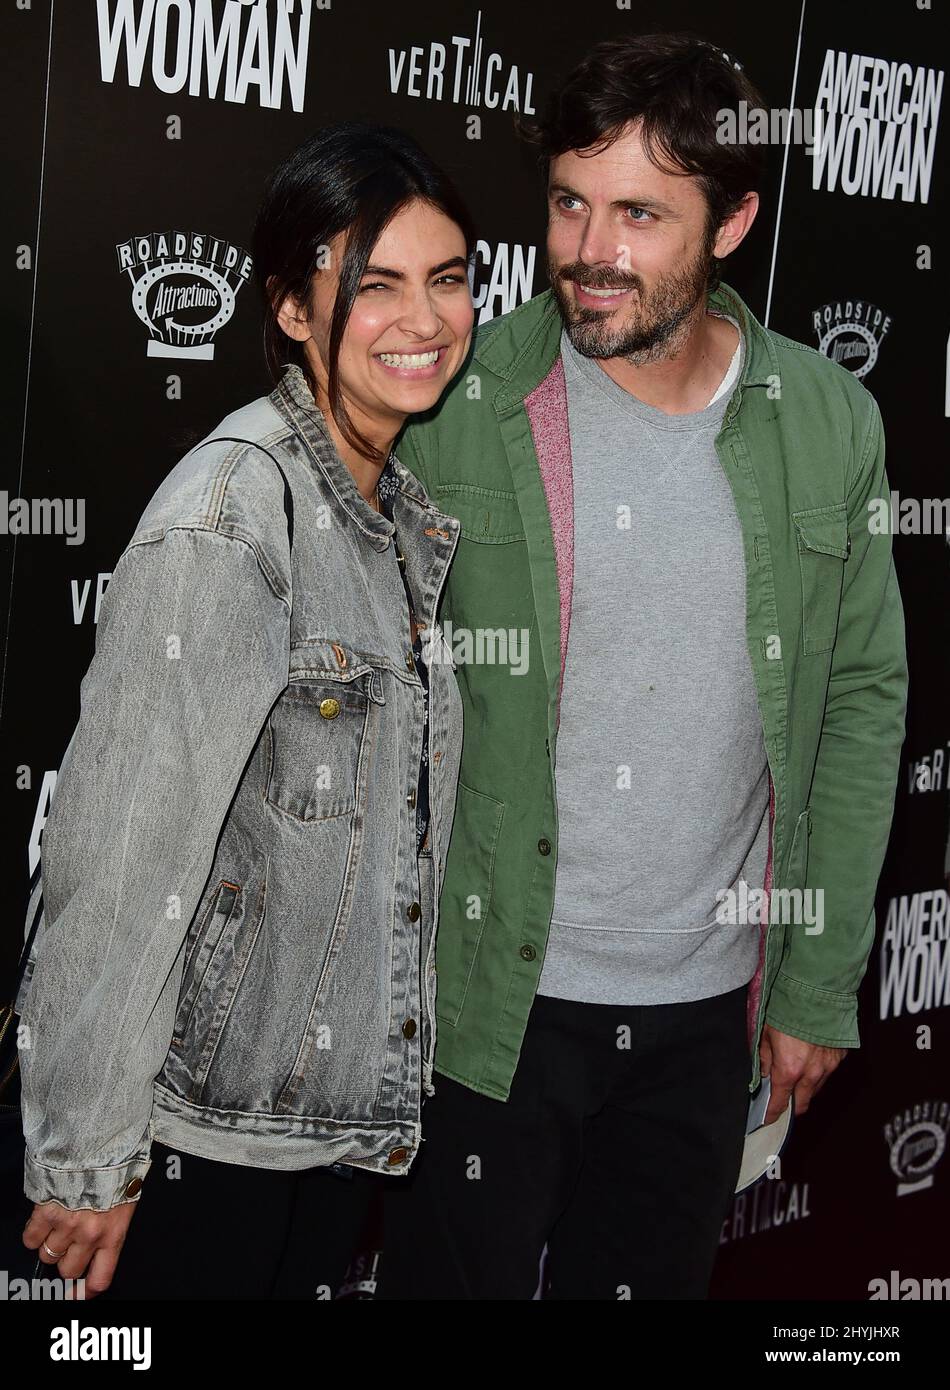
528, 953
544, 846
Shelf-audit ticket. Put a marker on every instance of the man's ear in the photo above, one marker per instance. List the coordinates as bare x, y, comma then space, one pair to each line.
733, 230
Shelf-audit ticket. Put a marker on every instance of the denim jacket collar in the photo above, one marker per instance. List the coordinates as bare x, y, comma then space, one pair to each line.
293, 398
428, 536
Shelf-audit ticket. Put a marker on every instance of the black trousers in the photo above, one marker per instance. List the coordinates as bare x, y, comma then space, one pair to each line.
619, 1148
226, 1231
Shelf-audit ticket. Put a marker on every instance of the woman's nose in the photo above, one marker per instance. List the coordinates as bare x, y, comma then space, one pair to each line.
420, 316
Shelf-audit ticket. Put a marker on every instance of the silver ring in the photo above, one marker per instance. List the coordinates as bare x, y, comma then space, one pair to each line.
52, 1253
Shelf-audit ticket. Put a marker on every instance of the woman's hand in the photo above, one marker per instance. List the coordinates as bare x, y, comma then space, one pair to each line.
80, 1239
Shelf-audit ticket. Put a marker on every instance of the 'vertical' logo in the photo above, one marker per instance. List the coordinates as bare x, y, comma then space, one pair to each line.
850, 332
467, 72
184, 287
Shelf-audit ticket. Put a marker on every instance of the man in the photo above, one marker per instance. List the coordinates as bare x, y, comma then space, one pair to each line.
668, 504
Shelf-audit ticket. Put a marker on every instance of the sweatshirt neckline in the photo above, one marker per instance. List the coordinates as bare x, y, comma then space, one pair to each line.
696, 420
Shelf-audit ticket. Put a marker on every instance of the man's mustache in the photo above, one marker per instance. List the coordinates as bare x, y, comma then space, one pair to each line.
584, 278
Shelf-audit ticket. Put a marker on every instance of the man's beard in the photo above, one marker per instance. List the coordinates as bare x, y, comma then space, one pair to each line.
657, 324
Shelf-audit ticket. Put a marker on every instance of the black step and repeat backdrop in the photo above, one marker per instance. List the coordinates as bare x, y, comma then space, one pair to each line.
141, 133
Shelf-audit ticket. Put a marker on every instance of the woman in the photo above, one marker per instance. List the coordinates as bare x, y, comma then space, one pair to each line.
234, 978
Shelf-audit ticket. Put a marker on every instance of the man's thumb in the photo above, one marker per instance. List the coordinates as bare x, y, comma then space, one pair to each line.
765, 1055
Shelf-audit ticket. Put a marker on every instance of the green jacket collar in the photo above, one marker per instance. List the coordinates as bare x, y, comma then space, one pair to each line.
524, 346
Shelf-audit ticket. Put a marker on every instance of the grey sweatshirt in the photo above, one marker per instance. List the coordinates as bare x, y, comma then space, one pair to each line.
662, 778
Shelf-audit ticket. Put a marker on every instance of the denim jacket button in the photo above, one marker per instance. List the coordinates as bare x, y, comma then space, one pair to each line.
398, 1156
409, 1028
329, 708
411, 799
410, 662
131, 1188
413, 911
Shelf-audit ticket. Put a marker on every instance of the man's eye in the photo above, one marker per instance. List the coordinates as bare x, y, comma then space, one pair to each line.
567, 198
377, 285
451, 280
646, 215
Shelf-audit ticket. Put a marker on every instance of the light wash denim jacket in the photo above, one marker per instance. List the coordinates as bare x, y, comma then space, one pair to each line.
236, 952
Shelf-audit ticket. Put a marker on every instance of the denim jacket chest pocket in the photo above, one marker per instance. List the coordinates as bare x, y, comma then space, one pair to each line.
319, 732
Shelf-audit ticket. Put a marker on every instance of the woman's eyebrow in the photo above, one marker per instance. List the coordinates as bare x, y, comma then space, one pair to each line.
399, 275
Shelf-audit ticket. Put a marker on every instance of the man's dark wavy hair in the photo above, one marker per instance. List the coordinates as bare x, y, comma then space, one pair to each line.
675, 84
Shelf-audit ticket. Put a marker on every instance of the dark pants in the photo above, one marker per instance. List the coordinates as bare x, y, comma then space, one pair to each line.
224, 1231
622, 1159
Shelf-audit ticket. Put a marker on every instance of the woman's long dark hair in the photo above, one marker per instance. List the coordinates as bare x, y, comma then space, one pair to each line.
352, 177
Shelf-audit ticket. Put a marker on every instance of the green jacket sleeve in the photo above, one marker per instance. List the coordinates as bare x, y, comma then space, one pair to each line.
852, 799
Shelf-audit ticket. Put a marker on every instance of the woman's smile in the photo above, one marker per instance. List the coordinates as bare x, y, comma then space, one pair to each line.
412, 366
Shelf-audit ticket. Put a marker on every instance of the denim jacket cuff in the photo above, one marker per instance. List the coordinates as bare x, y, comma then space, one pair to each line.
77, 1189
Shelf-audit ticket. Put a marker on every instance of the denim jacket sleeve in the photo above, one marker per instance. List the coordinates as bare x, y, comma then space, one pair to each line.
192, 650
852, 795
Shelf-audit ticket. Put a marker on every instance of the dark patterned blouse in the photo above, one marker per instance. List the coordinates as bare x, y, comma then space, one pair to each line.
388, 487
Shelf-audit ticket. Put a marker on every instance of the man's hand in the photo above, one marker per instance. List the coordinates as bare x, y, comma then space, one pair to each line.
80, 1239
795, 1067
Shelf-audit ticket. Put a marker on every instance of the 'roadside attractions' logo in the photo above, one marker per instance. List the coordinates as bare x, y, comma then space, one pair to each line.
184, 288
850, 332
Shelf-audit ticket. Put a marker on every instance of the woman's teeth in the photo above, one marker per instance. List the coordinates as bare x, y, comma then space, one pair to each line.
404, 359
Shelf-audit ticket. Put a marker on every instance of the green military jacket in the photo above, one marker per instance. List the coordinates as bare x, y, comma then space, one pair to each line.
803, 449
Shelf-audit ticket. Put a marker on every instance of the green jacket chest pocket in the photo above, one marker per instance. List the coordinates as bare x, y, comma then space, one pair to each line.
485, 584
484, 514
823, 549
